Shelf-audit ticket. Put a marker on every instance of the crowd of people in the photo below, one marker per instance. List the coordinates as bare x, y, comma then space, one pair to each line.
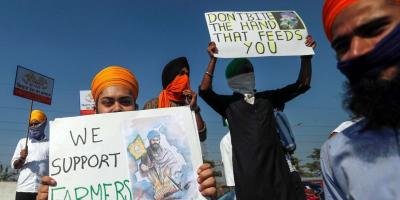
358, 161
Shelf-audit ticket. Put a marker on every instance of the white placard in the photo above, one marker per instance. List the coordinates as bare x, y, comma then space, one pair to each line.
109, 156
257, 33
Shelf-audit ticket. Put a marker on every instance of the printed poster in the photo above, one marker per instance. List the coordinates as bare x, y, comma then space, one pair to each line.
87, 102
150, 154
32, 85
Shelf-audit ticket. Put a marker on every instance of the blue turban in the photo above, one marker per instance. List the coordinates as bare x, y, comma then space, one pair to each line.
152, 134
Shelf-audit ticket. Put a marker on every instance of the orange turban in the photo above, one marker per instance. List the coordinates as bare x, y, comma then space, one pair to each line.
37, 115
174, 91
331, 9
114, 76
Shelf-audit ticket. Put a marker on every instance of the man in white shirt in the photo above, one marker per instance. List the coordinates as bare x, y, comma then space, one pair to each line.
226, 155
33, 164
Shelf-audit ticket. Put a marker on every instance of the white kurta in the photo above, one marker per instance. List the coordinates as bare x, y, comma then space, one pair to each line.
226, 154
36, 164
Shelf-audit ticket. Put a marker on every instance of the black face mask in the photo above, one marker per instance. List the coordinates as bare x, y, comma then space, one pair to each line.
386, 53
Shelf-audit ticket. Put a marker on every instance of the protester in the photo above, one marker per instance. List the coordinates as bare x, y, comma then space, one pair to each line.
362, 161
260, 169
288, 144
225, 147
177, 92
115, 89
226, 155
32, 160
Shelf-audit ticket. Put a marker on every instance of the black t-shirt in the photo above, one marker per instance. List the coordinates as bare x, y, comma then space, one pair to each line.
259, 165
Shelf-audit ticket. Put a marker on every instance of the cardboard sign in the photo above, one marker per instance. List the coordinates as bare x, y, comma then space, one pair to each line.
259, 33
32, 85
86, 102
150, 154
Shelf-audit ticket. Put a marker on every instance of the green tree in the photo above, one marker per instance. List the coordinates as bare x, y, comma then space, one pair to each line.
314, 166
6, 174
299, 167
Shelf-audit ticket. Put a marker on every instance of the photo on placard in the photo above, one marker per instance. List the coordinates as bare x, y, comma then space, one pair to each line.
288, 20
159, 158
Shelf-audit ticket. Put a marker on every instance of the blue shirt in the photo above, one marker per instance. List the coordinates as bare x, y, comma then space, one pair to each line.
362, 164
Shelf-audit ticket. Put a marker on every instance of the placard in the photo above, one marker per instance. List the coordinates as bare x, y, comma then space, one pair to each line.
257, 33
149, 154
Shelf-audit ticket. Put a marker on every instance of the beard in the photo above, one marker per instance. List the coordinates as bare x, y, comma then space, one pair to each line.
375, 99
155, 147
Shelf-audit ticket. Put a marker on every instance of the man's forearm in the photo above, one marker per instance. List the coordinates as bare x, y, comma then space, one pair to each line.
206, 83
201, 125
305, 71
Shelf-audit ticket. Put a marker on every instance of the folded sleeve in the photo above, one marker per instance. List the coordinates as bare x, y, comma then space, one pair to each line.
285, 94
217, 102
18, 149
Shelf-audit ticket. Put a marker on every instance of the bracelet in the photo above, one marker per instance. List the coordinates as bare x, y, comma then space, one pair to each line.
203, 129
196, 109
209, 74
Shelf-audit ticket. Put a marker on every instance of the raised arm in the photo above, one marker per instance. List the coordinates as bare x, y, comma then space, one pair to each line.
218, 102
305, 71
206, 83
283, 95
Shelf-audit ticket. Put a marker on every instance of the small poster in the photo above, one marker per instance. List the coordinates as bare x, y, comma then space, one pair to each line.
86, 102
32, 85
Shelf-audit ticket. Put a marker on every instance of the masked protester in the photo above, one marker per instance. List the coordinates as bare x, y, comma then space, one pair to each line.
115, 89
259, 165
177, 92
32, 163
362, 161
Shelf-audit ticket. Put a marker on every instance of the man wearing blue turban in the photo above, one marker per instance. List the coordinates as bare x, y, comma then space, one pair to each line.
161, 166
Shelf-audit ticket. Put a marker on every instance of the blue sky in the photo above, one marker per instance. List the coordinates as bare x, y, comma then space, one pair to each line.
72, 40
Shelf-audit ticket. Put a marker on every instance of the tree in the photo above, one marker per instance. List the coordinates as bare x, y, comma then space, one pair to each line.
314, 167
297, 164
6, 175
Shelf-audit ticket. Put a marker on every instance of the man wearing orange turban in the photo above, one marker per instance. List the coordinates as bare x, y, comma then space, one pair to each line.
115, 89
362, 161
331, 9
35, 164
177, 92
37, 116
